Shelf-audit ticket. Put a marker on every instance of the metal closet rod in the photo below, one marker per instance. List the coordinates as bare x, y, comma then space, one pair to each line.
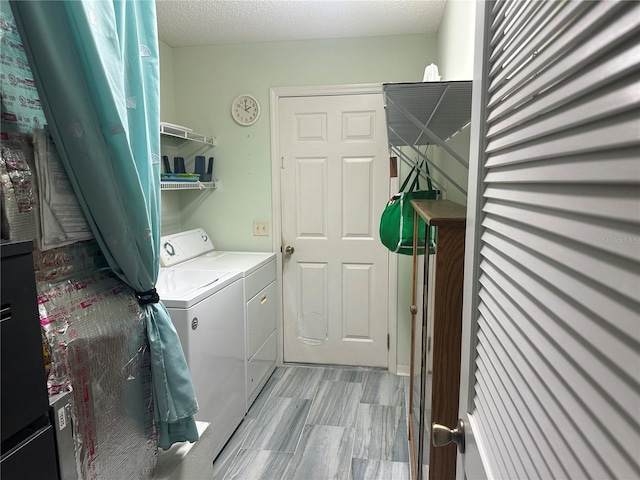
429, 162
405, 158
427, 132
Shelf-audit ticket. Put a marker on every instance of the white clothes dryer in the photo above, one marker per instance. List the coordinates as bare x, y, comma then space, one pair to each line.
206, 308
195, 251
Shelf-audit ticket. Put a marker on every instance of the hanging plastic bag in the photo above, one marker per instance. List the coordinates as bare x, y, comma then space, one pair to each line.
396, 222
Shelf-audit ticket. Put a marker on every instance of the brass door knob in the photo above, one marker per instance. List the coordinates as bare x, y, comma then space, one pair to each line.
442, 435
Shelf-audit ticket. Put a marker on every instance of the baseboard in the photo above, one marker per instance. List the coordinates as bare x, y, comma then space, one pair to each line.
403, 370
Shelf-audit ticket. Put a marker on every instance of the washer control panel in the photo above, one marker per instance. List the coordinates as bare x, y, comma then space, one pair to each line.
179, 247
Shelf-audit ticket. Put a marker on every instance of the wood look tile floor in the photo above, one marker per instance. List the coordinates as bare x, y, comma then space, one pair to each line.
322, 423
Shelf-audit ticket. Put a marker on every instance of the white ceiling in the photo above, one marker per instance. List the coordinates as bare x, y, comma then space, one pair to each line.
184, 23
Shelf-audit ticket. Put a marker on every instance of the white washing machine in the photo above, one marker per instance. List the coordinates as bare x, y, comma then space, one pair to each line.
207, 310
195, 251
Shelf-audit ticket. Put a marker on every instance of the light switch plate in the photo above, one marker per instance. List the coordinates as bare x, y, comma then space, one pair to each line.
260, 228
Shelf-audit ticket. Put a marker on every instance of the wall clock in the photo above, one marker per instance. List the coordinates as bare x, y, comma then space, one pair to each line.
245, 110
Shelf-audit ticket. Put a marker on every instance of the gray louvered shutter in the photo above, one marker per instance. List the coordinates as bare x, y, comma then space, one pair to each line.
557, 359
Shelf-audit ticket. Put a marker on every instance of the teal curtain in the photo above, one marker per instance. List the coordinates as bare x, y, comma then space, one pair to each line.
95, 64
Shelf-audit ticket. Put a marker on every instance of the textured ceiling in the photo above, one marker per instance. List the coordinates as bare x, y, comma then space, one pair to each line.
184, 23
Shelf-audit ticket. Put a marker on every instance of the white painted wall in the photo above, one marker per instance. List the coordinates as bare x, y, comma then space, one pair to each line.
455, 62
455, 40
167, 84
171, 216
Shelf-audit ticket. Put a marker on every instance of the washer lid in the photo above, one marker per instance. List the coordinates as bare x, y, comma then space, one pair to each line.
248, 262
185, 288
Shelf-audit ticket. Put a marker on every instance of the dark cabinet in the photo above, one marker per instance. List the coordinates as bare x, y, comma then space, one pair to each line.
28, 445
435, 340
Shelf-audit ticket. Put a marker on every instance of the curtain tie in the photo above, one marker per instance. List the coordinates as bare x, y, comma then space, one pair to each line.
145, 298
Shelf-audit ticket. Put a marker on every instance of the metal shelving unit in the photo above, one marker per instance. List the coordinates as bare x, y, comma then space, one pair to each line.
426, 113
185, 133
187, 185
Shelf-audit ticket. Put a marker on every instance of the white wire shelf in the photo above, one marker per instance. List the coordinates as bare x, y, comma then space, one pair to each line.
185, 133
166, 185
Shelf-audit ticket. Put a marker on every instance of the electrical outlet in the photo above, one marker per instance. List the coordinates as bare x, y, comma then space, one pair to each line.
260, 228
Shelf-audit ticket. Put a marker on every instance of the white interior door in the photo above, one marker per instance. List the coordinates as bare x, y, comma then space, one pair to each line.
551, 342
334, 184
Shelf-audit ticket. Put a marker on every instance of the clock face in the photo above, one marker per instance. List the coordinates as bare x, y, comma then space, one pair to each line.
245, 110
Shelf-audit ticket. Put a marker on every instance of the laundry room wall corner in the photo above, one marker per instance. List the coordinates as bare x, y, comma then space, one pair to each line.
208, 78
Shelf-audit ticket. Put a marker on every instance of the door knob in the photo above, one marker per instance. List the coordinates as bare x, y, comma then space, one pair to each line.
288, 250
442, 435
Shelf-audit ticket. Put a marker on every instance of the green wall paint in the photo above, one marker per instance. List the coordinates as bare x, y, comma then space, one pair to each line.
456, 39
207, 79
167, 85
455, 51
170, 211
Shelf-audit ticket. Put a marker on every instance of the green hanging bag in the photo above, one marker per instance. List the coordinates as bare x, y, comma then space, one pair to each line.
396, 222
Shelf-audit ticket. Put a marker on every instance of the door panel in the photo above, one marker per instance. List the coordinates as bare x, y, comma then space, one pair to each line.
551, 345
357, 317
311, 195
334, 184
313, 317
357, 195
